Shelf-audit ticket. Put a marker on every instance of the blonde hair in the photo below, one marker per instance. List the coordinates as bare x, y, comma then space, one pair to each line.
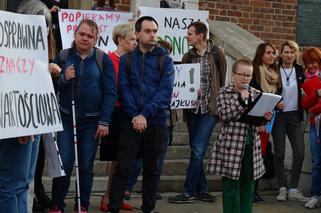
123, 31
294, 46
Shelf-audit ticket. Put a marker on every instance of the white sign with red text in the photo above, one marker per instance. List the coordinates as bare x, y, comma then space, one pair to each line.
106, 21
28, 103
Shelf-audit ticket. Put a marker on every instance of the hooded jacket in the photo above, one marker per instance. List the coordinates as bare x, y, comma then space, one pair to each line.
145, 89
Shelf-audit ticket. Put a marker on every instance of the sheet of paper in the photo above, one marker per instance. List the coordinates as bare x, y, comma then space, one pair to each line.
55, 167
266, 103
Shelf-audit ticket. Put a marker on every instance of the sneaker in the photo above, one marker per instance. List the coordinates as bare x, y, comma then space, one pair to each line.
312, 203
181, 198
126, 206
127, 195
207, 197
297, 196
55, 209
257, 199
282, 194
82, 210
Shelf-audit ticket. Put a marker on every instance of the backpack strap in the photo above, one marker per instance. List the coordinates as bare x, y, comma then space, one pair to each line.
63, 55
161, 64
99, 59
215, 54
129, 59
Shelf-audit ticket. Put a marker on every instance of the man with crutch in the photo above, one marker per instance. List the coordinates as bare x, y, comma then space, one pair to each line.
87, 93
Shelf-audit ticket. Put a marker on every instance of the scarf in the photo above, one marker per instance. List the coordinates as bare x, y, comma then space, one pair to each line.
269, 81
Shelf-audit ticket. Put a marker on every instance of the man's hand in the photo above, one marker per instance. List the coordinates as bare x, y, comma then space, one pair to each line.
102, 131
54, 9
70, 72
25, 139
54, 69
139, 123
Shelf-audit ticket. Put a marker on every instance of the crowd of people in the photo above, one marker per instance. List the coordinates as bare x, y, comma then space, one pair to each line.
122, 100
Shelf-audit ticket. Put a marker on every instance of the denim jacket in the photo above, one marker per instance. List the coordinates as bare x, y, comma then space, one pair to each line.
95, 91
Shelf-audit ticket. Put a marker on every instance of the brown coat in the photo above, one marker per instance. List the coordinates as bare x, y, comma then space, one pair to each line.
218, 73
228, 149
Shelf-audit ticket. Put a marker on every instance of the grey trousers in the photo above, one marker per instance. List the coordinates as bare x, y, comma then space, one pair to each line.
288, 124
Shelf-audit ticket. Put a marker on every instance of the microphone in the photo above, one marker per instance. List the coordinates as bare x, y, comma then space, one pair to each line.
246, 87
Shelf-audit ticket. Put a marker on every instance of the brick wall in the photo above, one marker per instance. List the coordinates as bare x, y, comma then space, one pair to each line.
123, 5
272, 21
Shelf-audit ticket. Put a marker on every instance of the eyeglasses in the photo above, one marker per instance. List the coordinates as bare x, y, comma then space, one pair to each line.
243, 75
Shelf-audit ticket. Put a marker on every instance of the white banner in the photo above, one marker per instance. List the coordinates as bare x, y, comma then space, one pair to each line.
106, 21
172, 26
28, 104
186, 84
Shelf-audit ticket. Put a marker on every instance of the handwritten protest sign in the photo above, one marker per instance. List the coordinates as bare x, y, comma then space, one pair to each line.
186, 84
106, 21
28, 103
172, 26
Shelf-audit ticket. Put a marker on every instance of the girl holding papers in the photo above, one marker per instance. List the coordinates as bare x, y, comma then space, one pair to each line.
236, 153
311, 102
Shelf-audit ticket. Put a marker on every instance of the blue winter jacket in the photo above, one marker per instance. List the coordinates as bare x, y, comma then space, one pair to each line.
145, 89
95, 91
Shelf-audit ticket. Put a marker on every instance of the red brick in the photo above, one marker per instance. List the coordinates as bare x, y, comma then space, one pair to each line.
289, 12
278, 5
266, 10
257, 3
291, 1
246, 14
222, 18
256, 28
123, 7
234, 13
223, 12
222, 6
246, 20
290, 6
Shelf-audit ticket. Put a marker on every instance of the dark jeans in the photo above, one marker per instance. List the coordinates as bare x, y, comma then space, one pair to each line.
288, 123
151, 142
87, 147
138, 163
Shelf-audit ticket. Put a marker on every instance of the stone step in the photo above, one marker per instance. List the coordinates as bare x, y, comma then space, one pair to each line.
171, 167
167, 184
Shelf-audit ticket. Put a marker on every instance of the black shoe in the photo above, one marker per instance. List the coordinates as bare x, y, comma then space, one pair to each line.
42, 198
207, 197
181, 198
36, 208
257, 199
158, 196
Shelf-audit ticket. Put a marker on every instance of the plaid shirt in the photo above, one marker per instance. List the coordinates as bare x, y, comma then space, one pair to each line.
203, 100
228, 149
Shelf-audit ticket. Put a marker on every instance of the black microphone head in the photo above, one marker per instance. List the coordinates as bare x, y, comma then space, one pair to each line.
246, 86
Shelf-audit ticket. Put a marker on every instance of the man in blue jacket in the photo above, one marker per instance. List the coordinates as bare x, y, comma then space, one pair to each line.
145, 91
95, 93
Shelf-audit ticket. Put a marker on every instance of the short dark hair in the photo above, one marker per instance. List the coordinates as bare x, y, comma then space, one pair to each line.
200, 28
138, 24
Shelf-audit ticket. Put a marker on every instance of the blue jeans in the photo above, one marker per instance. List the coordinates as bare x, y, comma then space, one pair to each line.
200, 128
87, 147
316, 161
17, 168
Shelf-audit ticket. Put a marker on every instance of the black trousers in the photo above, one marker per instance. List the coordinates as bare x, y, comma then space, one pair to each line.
150, 144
